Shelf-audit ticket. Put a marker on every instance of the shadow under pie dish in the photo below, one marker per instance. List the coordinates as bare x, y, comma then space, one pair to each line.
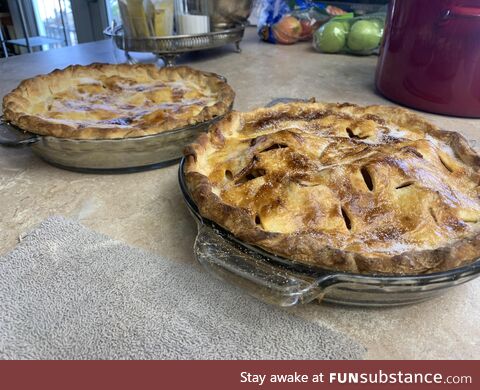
104, 116
358, 190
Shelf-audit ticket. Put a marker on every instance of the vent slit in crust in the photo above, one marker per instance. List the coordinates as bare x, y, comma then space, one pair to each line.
348, 222
351, 134
250, 175
367, 178
274, 146
406, 184
229, 174
258, 221
432, 213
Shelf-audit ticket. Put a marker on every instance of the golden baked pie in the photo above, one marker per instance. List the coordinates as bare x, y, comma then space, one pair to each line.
101, 101
360, 189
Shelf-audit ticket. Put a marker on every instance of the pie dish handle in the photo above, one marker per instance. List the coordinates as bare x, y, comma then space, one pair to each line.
12, 136
264, 280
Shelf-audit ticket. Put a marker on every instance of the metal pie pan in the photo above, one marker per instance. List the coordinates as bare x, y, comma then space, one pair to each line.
285, 282
108, 155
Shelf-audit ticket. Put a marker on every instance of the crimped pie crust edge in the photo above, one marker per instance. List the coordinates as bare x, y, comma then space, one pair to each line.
16, 102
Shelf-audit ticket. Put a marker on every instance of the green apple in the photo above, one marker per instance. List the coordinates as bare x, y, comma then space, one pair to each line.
332, 37
345, 24
364, 35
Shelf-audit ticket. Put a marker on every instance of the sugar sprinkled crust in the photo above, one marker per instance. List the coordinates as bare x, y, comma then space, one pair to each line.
104, 101
372, 189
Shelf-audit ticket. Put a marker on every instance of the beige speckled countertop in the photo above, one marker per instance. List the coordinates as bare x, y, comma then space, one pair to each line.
146, 209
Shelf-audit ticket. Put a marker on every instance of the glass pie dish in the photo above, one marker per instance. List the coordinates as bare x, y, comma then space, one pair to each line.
284, 282
106, 155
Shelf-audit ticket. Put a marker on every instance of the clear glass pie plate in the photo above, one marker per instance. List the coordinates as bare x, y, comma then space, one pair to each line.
284, 282
107, 155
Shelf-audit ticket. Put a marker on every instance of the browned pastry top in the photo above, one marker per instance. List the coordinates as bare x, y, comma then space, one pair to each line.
363, 189
101, 101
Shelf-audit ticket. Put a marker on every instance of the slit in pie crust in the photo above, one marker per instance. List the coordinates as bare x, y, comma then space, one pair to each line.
104, 101
372, 189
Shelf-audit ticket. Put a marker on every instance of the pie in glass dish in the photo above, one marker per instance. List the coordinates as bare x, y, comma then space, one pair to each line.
371, 190
105, 101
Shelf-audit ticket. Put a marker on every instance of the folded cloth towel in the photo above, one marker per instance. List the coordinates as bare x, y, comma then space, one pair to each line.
67, 292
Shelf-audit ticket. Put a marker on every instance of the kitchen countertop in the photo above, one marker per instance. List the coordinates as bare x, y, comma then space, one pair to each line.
146, 209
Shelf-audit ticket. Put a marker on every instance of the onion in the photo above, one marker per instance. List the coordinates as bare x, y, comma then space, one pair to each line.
287, 30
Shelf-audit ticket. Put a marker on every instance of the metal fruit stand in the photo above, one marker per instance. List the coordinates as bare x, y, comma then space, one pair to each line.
168, 48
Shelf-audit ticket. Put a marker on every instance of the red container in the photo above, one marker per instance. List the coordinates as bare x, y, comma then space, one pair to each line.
430, 56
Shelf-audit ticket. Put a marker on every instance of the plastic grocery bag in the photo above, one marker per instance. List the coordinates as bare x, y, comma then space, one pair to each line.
360, 35
290, 21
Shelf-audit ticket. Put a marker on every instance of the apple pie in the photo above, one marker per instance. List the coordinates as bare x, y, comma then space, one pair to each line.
103, 101
373, 190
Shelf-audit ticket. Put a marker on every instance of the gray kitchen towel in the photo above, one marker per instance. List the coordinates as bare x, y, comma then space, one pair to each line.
67, 292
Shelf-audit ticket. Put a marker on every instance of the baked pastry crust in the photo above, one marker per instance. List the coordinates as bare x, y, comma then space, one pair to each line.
375, 190
105, 101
